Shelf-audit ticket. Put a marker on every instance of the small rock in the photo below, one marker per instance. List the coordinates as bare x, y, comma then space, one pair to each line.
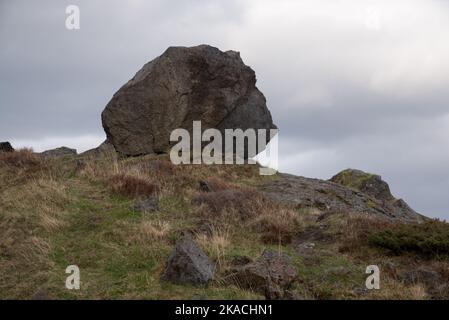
240, 261
147, 205
40, 294
188, 264
436, 286
421, 275
59, 152
204, 186
271, 274
305, 249
6, 147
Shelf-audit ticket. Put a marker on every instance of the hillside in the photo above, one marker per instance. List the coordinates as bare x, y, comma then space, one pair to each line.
87, 210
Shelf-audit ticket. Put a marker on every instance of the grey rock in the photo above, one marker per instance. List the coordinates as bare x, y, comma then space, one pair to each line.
58, 152
147, 205
305, 249
103, 149
421, 275
182, 85
6, 147
434, 282
188, 264
368, 183
272, 274
373, 186
41, 294
329, 196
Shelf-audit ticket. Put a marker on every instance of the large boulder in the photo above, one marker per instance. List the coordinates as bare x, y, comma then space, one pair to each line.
183, 85
6, 147
188, 264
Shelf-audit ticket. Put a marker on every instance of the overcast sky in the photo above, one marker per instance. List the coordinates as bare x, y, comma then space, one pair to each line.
360, 84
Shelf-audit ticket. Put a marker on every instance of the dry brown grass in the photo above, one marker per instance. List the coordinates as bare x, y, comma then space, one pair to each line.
216, 243
131, 186
147, 231
278, 225
356, 228
23, 158
241, 203
215, 184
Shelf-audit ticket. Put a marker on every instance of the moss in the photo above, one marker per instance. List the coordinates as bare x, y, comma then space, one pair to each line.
355, 181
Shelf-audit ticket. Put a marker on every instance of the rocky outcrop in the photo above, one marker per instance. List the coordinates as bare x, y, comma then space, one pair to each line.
103, 149
373, 186
329, 196
272, 274
58, 152
368, 183
6, 147
182, 85
188, 264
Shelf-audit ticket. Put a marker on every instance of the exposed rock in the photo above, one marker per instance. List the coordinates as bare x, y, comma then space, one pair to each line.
305, 249
329, 196
40, 295
421, 275
434, 282
370, 184
239, 261
147, 205
188, 264
105, 148
58, 152
373, 186
272, 274
6, 147
182, 85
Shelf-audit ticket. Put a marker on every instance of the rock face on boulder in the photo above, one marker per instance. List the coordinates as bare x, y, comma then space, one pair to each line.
271, 274
188, 264
329, 196
6, 147
58, 152
182, 85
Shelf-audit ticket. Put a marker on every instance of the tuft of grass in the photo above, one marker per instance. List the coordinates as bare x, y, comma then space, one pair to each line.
278, 226
214, 184
216, 244
131, 186
242, 203
23, 158
148, 231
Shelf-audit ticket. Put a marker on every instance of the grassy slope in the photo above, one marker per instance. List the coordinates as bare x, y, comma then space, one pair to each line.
63, 212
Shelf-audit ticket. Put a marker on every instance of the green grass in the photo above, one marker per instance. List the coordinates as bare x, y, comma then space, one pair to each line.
55, 215
429, 239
